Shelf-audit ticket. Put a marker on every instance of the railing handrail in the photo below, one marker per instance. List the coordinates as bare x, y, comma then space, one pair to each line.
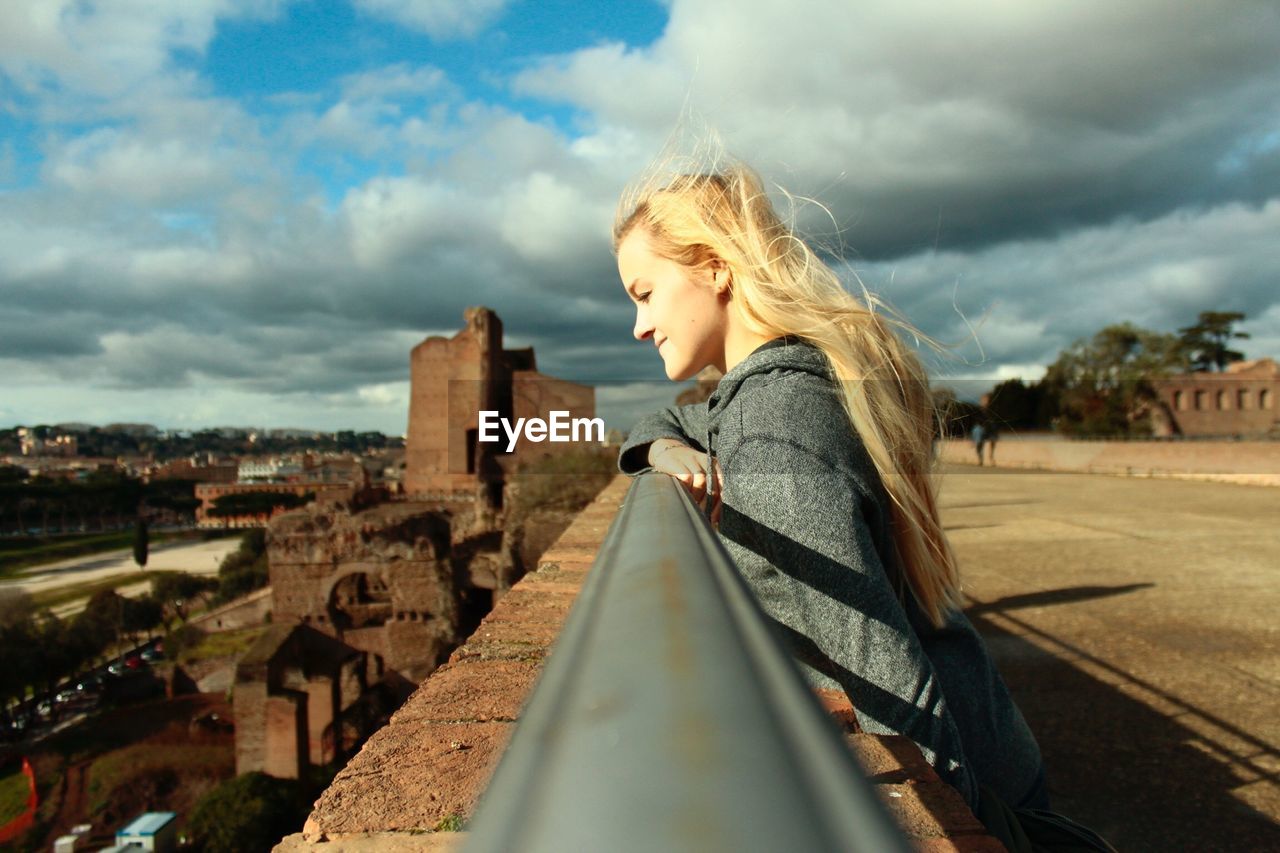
669, 717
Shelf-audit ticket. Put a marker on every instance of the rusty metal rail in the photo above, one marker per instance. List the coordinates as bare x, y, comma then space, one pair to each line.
670, 718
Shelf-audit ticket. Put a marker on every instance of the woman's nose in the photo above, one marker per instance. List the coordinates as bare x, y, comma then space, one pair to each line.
643, 328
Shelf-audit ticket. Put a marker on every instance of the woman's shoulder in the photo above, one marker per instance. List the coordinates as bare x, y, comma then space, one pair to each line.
805, 412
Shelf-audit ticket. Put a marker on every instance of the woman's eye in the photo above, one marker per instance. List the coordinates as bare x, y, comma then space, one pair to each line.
642, 297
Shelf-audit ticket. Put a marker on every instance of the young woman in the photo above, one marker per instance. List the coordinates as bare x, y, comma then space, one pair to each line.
813, 455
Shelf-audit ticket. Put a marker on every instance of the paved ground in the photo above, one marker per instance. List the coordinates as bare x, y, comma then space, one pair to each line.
1136, 622
199, 558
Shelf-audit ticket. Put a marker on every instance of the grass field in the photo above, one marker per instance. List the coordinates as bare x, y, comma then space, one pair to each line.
155, 764
64, 594
223, 644
13, 793
24, 552
21, 552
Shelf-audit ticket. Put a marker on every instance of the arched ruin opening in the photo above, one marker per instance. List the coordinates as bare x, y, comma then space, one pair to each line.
360, 600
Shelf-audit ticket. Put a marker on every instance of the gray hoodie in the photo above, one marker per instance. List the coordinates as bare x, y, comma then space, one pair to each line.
806, 519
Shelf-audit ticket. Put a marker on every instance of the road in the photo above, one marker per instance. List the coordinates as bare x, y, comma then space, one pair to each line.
198, 558
1135, 622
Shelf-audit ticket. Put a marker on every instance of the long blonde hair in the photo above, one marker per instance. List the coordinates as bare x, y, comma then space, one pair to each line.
782, 287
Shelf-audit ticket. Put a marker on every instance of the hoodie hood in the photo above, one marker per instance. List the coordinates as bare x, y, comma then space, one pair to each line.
780, 355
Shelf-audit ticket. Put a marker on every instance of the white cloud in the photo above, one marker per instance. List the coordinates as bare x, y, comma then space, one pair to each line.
107, 47
389, 219
437, 18
543, 217
124, 165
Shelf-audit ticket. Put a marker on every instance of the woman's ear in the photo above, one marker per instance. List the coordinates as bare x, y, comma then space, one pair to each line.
721, 278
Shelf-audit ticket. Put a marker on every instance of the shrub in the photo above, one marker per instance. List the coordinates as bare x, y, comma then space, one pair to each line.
249, 812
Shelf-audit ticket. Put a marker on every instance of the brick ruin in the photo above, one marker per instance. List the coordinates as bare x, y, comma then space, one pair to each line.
393, 587
1239, 401
296, 686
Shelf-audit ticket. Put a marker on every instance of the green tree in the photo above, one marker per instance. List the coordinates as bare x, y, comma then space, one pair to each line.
1102, 385
103, 619
142, 614
245, 569
1207, 342
1015, 405
175, 590
250, 812
141, 541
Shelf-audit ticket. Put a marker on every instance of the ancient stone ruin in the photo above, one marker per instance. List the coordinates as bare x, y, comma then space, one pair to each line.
393, 585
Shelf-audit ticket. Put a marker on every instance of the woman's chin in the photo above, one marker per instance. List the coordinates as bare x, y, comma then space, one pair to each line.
680, 372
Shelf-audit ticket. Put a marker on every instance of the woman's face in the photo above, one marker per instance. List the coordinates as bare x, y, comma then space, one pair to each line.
679, 308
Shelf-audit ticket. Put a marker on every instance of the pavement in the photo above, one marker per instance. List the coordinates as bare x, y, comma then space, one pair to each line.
197, 558
1135, 621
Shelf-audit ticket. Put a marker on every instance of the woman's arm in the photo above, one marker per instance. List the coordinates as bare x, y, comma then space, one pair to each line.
686, 425
671, 442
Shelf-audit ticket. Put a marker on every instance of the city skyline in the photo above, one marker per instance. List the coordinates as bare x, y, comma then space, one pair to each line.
223, 211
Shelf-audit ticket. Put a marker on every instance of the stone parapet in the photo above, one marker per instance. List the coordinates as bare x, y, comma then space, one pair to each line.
1247, 462
425, 771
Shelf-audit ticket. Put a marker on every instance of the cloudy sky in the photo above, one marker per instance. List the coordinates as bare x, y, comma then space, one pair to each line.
248, 211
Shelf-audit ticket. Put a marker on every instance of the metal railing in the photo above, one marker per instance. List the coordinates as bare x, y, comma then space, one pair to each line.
670, 718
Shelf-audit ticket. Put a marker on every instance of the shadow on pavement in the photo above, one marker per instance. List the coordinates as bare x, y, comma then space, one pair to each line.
1145, 780
1068, 595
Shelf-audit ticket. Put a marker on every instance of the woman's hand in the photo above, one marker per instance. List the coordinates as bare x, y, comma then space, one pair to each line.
689, 466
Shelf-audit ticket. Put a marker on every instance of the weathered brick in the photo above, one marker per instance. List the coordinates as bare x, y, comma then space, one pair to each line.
891, 759
928, 809
474, 691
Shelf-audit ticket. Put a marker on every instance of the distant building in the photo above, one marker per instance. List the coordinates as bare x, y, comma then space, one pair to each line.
199, 468
61, 446
252, 470
209, 493
1240, 401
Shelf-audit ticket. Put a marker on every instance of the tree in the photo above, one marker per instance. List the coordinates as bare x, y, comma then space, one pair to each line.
253, 811
141, 540
102, 620
1014, 405
245, 569
142, 614
1206, 343
1103, 384
174, 590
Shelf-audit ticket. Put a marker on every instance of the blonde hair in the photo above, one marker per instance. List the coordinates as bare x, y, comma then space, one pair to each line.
783, 288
